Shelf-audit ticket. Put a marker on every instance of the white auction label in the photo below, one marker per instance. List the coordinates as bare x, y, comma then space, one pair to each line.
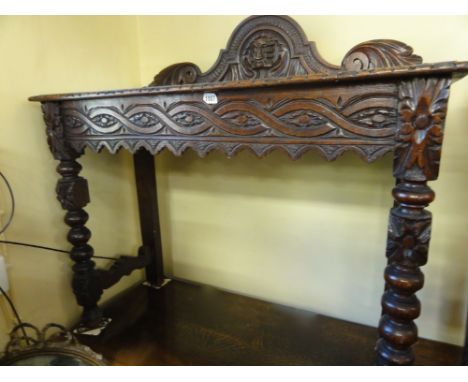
210, 98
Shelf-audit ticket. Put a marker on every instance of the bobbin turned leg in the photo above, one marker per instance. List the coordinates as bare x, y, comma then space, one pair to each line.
422, 108
72, 192
88, 282
407, 246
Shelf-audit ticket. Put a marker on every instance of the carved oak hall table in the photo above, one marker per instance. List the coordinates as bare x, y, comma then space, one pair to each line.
269, 89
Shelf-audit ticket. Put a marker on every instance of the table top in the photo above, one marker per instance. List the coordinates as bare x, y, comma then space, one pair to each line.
454, 68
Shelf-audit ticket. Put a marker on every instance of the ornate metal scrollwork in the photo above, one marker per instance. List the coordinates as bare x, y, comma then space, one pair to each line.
52, 346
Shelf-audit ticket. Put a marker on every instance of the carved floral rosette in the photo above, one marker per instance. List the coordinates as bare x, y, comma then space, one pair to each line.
408, 239
422, 110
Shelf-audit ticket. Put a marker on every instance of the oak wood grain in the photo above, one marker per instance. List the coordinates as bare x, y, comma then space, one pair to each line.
190, 324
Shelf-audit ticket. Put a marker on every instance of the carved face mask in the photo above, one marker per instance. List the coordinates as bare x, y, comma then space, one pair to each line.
263, 52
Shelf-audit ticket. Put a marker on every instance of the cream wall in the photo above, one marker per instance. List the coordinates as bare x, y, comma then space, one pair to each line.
308, 233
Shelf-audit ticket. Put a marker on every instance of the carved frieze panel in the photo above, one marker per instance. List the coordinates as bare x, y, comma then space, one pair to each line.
363, 120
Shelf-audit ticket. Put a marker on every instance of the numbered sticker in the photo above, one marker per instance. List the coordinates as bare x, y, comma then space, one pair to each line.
210, 98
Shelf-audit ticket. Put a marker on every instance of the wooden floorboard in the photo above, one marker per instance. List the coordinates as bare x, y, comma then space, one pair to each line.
189, 324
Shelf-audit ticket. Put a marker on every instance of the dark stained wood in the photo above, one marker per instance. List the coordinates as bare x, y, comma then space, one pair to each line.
328, 119
72, 192
270, 90
145, 177
422, 111
88, 282
264, 47
73, 195
465, 348
260, 47
273, 92
455, 69
123, 266
189, 324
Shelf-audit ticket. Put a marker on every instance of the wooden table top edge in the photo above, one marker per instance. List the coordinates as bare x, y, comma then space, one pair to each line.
458, 69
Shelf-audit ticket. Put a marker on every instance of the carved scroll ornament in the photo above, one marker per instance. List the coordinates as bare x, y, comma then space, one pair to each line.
379, 54
264, 47
260, 47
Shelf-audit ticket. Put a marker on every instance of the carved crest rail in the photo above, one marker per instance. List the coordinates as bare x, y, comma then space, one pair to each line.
269, 89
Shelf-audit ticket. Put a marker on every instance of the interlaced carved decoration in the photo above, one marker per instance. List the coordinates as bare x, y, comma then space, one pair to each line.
288, 117
364, 123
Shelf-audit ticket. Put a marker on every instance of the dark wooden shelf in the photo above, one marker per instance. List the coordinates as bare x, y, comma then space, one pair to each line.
190, 324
